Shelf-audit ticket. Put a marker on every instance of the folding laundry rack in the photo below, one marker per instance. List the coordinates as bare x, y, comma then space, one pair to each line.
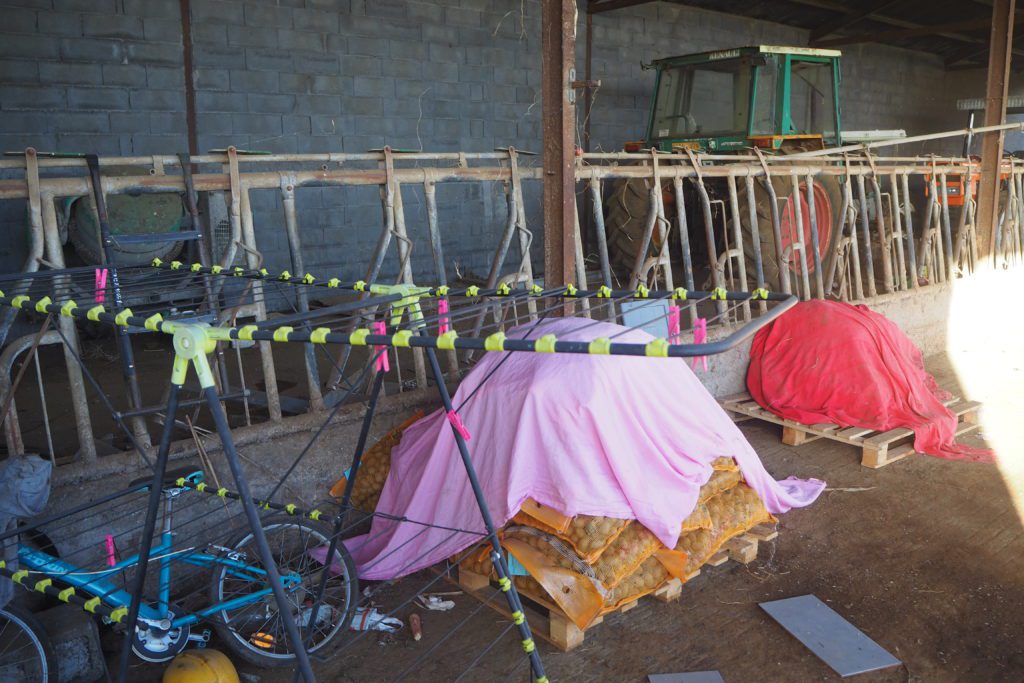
383, 318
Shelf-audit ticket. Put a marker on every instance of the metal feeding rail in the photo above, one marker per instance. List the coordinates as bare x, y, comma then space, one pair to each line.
382, 317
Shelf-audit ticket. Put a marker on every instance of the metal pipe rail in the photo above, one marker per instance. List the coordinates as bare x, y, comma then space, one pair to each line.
880, 240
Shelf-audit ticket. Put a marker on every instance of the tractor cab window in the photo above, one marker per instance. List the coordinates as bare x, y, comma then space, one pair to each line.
703, 100
764, 119
812, 99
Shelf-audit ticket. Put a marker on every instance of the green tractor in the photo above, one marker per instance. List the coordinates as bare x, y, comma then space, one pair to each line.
778, 99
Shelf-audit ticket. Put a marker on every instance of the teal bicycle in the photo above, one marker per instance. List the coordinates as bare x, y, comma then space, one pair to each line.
241, 607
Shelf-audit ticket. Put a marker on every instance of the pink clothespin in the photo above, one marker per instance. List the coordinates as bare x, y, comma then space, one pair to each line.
673, 324
700, 336
456, 421
101, 284
111, 553
382, 359
442, 310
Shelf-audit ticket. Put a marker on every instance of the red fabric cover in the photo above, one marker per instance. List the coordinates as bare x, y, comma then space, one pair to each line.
828, 361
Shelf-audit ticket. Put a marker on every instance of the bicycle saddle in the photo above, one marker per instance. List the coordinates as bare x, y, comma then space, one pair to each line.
171, 477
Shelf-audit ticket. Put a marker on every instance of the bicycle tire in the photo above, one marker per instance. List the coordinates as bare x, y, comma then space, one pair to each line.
229, 626
37, 643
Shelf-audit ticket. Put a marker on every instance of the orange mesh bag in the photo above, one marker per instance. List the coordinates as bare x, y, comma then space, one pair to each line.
648, 577
546, 516
374, 468
523, 519
477, 561
590, 536
725, 464
732, 512
736, 511
699, 546
564, 578
700, 518
625, 554
720, 480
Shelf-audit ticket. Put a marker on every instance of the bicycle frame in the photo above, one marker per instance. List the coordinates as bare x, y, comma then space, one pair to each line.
98, 583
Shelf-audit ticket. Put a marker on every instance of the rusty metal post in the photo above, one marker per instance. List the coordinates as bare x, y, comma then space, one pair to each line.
291, 225
1000, 47
259, 306
72, 351
558, 54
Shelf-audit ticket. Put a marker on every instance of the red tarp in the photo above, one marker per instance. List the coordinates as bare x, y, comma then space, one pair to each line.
828, 361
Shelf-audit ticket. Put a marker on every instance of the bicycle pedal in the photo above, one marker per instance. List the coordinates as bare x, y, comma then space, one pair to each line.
201, 639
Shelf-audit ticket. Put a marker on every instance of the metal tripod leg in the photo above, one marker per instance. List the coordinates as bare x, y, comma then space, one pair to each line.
497, 556
220, 420
339, 522
155, 491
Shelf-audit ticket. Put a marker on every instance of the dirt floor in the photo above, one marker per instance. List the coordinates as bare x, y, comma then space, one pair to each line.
924, 555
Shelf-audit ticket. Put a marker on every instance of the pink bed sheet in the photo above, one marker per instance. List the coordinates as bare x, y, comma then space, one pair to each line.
614, 436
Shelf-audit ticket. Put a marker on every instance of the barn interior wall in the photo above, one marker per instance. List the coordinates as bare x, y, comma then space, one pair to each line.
106, 76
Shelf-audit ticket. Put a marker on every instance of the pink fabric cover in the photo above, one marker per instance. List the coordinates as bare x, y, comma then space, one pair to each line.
616, 436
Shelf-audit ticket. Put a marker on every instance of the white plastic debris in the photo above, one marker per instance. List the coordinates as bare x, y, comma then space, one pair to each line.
435, 603
371, 620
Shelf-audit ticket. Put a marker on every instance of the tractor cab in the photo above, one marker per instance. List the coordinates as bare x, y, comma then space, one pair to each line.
777, 98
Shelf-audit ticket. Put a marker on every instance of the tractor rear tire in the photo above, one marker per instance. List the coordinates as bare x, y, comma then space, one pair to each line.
828, 193
129, 215
628, 208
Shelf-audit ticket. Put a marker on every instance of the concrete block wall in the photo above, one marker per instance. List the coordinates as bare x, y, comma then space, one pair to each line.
351, 75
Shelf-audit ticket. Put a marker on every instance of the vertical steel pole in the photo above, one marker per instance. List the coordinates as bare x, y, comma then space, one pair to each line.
996, 85
737, 239
812, 217
865, 232
908, 221
558, 55
755, 236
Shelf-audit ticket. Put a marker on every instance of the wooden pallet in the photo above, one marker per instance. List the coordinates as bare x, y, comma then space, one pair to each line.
877, 448
549, 622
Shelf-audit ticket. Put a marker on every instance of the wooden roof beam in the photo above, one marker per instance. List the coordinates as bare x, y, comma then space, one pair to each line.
847, 20
884, 36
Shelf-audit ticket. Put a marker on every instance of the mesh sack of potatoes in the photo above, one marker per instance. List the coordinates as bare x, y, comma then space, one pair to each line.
700, 518
647, 578
374, 468
699, 545
590, 536
476, 560
732, 512
546, 516
587, 535
737, 510
558, 572
725, 464
523, 519
627, 552
721, 480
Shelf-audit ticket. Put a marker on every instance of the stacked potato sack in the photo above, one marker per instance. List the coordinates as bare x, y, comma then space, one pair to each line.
374, 468
592, 565
589, 565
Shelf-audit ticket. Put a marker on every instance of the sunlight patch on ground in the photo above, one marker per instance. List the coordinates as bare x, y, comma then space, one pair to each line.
985, 344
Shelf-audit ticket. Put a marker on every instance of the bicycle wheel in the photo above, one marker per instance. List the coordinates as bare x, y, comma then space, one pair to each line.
25, 651
255, 632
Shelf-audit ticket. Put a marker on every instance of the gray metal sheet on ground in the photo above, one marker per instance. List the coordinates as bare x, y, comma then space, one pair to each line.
689, 677
836, 641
